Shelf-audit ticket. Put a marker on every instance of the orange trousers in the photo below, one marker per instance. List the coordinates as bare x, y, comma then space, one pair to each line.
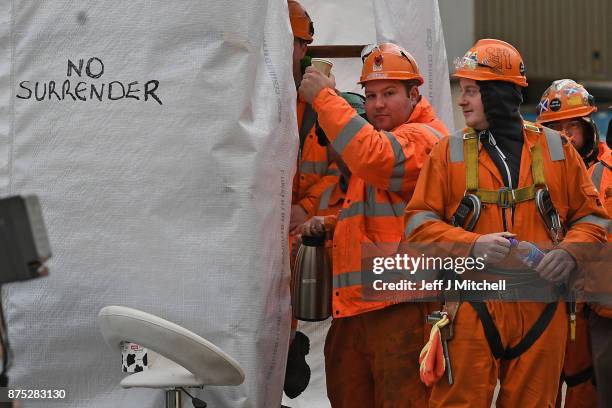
372, 359
531, 380
600, 329
577, 359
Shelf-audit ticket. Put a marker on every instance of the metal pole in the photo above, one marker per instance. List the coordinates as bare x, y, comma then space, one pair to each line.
173, 398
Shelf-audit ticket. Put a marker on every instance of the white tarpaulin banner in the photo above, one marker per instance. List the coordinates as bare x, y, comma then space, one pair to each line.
413, 24
416, 25
161, 139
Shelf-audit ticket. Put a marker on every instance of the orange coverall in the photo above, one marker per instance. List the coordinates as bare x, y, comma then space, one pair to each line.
314, 172
601, 175
578, 365
372, 347
532, 379
600, 322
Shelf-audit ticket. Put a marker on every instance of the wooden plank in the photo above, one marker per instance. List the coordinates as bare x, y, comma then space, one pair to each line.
335, 51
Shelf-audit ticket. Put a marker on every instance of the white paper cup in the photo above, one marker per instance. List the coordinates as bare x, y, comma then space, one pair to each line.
322, 65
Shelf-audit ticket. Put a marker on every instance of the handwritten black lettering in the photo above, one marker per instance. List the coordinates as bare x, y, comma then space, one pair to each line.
22, 85
52, 90
79, 89
66, 90
83, 90
152, 91
44, 92
110, 91
95, 91
130, 90
88, 68
72, 67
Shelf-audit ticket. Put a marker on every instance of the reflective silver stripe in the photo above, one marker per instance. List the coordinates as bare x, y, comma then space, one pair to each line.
332, 171
419, 219
593, 219
435, 132
371, 195
555, 144
456, 147
347, 279
348, 133
397, 175
324, 203
373, 210
597, 175
313, 167
352, 210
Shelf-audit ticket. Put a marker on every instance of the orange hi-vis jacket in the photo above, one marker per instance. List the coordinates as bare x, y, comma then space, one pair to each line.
443, 184
329, 207
385, 167
314, 172
601, 176
331, 201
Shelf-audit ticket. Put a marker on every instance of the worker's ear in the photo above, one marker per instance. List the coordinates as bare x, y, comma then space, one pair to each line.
414, 95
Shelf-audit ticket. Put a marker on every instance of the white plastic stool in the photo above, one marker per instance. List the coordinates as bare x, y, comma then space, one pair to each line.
185, 359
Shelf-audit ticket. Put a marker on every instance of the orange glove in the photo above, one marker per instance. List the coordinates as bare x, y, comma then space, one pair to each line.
432, 356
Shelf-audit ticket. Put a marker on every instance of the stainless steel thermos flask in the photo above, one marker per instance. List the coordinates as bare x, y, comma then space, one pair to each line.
311, 291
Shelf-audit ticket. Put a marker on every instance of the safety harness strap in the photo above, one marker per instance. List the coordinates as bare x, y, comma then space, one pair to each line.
308, 120
579, 378
471, 161
494, 339
537, 165
490, 330
503, 197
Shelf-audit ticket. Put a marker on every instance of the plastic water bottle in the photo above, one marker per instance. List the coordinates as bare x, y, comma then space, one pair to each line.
528, 253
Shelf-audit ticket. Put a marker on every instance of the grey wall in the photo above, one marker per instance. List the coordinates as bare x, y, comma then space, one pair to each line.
458, 26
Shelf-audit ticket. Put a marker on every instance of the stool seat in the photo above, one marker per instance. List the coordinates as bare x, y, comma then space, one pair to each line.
184, 359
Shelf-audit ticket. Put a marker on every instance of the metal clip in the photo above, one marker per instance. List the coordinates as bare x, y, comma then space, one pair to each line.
470, 204
503, 197
549, 215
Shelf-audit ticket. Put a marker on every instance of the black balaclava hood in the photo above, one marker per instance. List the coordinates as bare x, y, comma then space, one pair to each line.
501, 101
590, 149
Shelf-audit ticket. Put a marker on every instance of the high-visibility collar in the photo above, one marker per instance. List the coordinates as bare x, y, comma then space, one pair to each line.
504, 197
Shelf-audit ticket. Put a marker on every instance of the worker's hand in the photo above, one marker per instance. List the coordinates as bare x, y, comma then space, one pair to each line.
492, 247
313, 82
556, 266
313, 227
298, 217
